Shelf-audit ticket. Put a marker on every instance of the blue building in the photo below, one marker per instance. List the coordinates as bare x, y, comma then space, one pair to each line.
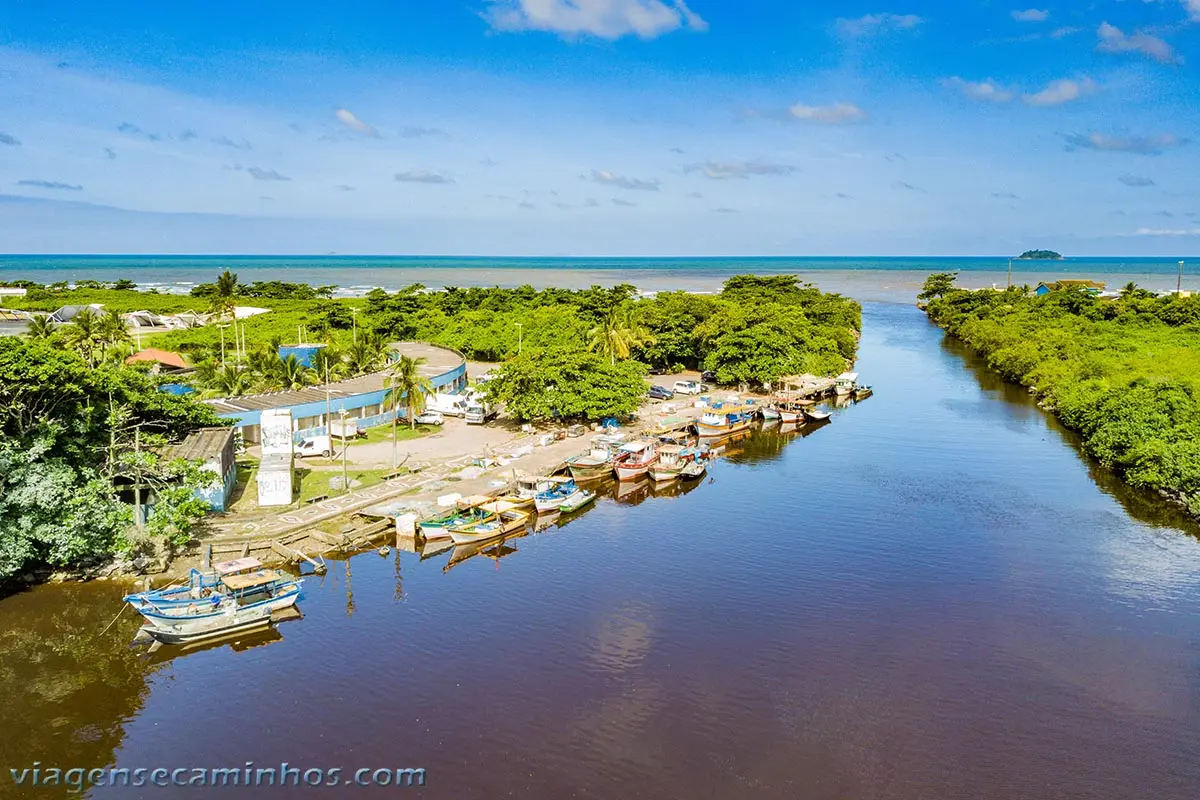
304, 353
363, 397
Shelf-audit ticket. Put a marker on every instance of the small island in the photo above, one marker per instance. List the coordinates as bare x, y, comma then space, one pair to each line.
1040, 255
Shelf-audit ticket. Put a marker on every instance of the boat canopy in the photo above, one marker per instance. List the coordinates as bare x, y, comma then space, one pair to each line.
848, 377
239, 582
635, 447
236, 565
671, 449
475, 500
499, 506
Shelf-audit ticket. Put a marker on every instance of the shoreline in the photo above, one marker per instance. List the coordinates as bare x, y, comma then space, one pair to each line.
866, 285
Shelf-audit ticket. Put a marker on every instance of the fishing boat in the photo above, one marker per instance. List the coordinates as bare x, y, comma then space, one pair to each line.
576, 501
694, 469
469, 510
242, 582
723, 422
814, 415
633, 460
596, 462
862, 392
238, 595
552, 498
844, 384
530, 487
770, 413
671, 460
508, 519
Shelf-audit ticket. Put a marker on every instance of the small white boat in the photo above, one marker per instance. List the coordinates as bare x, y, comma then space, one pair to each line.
813, 415
723, 422
770, 412
845, 384
558, 491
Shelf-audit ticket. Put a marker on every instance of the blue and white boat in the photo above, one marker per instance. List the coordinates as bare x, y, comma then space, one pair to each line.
724, 421
236, 595
551, 498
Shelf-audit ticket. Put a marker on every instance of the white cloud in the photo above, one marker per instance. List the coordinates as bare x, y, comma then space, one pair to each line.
1031, 15
875, 23
986, 91
836, 114
1136, 181
1060, 91
606, 19
352, 122
1114, 40
720, 171
1167, 232
1064, 32
1193, 9
1148, 145
422, 176
622, 182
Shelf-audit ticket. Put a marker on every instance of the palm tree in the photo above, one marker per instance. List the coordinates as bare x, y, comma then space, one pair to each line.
1130, 291
293, 374
40, 327
225, 381
330, 364
406, 384
111, 328
83, 336
619, 334
368, 354
225, 292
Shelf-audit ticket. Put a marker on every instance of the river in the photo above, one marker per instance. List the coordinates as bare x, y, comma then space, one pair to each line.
934, 596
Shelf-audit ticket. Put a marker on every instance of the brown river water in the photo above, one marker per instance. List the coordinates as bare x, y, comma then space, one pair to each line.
933, 596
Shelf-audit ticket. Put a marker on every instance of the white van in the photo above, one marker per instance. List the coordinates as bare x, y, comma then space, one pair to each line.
452, 405
314, 446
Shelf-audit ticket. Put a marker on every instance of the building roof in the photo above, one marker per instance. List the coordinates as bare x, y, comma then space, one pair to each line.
164, 357
202, 445
438, 361
68, 313
1073, 283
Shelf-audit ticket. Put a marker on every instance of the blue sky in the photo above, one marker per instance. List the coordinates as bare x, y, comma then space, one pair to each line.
598, 127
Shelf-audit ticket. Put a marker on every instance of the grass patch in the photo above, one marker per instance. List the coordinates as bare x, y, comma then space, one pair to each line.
383, 433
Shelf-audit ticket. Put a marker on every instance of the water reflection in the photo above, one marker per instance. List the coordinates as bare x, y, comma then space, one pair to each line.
69, 681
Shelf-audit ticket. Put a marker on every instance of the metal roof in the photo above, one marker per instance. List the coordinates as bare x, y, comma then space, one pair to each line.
202, 445
438, 361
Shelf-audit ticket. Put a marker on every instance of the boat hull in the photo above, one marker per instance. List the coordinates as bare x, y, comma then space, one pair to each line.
664, 474
171, 635
789, 417
708, 431
694, 470
771, 413
576, 501
589, 471
630, 472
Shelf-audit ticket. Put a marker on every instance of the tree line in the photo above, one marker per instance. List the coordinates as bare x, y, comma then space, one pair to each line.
1122, 372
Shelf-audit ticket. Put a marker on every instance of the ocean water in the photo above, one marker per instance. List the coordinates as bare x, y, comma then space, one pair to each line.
866, 278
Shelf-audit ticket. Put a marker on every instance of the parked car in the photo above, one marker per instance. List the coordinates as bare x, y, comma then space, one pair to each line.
687, 387
431, 418
660, 393
314, 446
708, 376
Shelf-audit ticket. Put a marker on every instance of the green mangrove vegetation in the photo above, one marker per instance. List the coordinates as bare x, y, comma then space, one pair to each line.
1123, 372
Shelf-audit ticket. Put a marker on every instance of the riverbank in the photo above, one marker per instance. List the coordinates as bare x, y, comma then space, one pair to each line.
930, 597
1124, 373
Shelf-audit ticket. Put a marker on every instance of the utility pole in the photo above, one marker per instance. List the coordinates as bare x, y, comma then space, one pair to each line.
222, 329
354, 322
520, 331
345, 447
1179, 280
328, 415
1010, 273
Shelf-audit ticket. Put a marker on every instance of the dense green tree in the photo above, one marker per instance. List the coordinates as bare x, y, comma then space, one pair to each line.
938, 284
566, 383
